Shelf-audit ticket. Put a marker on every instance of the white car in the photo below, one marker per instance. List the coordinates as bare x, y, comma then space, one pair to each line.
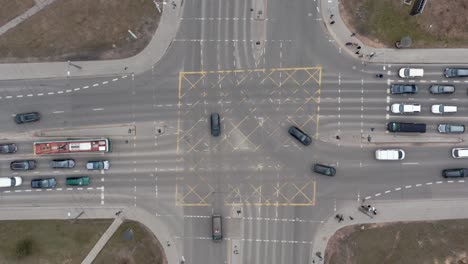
410, 73
389, 154
443, 109
10, 181
405, 108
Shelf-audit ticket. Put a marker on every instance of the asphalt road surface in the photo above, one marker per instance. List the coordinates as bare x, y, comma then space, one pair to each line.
170, 165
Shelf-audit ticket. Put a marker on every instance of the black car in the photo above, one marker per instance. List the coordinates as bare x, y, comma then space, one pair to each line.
27, 117
8, 148
403, 89
44, 183
61, 164
441, 89
23, 165
215, 125
455, 173
300, 135
324, 169
455, 72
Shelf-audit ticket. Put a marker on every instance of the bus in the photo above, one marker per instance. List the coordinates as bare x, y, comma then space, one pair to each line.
217, 227
99, 145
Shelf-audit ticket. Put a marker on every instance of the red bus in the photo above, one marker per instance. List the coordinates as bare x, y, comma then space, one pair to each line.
99, 145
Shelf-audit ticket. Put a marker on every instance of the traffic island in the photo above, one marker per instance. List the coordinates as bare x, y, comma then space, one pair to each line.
387, 138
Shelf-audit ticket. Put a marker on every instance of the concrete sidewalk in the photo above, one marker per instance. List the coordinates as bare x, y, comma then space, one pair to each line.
407, 210
342, 34
141, 62
160, 229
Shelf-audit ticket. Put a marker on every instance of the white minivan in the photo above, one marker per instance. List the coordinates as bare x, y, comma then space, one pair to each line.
411, 73
443, 109
10, 181
459, 153
389, 154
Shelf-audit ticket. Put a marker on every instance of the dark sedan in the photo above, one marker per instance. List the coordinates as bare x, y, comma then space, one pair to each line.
44, 183
23, 165
403, 89
455, 72
324, 169
300, 135
27, 117
8, 148
455, 173
441, 89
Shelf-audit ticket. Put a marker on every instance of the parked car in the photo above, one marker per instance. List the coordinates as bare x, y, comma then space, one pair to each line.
215, 124
10, 181
441, 89
98, 165
455, 72
443, 109
23, 165
324, 169
27, 117
44, 183
460, 153
78, 181
410, 72
405, 108
389, 154
8, 148
62, 164
451, 128
300, 135
403, 89
455, 173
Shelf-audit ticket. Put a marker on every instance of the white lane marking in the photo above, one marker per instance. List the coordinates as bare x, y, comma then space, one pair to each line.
50, 93
98, 109
57, 112
77, 89
106, 82
30, 95
85, 87
19, 96
410, 163
96, 84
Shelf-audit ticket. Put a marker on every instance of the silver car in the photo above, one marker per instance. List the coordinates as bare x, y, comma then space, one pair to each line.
441, 89
451, 128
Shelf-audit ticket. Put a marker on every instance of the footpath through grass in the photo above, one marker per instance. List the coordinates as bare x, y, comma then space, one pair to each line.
397, 243
132, 243
383, 22
49, 241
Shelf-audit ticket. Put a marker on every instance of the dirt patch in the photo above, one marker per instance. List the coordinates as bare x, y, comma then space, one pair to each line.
401, 242
381, 23
81, 30
11, 9
132, 243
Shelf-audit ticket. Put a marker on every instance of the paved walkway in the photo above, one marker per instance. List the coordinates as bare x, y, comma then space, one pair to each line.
162, 232
407, 210
102, 241
342, 34
141, 62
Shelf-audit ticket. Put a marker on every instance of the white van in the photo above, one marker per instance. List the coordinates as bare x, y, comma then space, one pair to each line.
389, 154
411, 73
459, 153
10, 181
443, 109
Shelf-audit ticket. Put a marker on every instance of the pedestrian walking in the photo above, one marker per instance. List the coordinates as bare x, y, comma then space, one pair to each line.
351, 218
353, 34
349, 44
357, 52
333, 22
118, 213
358, 47
331, 16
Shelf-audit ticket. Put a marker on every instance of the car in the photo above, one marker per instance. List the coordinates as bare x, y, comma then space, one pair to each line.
215, 125
455, 72
405, 108
443, 109
44, 183
403, 89
410, 72
324, 169
406, 127
389, 154
10, 181
300, 135
8, 148
451, 128
455, 173
78, 181
460, 153
23, 165
62, 164
98, 165
27, 117
441, 89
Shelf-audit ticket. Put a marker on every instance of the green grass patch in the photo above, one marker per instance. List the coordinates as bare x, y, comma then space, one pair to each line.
49, 241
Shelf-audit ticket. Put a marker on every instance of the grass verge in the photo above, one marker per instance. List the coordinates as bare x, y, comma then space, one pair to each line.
11, 9
143, 248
